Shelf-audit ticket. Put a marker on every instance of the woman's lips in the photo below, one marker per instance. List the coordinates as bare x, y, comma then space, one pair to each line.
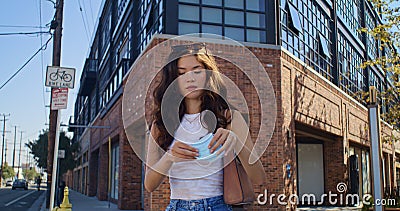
191, 88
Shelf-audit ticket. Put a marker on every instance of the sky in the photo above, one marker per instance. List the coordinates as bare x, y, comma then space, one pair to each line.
25, 97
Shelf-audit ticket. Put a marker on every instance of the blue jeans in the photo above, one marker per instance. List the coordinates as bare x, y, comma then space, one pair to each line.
208, 204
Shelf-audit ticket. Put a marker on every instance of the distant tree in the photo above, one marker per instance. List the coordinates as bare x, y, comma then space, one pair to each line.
387, 34
8, 171
30, 174
38, 148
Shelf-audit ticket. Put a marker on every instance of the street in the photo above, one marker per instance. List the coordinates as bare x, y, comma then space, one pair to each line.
18, 199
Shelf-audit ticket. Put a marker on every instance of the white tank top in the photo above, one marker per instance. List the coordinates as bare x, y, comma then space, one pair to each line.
190, 180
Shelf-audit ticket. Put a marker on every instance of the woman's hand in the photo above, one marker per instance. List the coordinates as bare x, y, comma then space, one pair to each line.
225, 138
180, 151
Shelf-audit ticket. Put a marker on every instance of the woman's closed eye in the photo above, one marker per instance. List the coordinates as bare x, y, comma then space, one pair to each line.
198, 71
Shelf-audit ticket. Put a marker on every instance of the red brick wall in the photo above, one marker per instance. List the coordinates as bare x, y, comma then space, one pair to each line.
129, 185
130, 179
335, 168
93, 173
103, 173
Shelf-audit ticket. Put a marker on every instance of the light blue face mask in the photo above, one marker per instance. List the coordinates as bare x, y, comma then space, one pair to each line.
202, 146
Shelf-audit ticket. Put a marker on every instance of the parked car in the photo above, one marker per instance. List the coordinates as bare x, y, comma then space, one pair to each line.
20, 183
9, 183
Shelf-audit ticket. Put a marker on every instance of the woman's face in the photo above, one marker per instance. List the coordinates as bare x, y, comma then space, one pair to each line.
192, 77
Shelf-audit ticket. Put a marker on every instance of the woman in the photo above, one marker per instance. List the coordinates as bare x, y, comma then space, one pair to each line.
191, 85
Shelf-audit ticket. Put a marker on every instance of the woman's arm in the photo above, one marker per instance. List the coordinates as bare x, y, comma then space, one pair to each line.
159, 162
256, 170
155, 163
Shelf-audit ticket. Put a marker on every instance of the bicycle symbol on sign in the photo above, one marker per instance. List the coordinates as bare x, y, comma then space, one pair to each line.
60, 74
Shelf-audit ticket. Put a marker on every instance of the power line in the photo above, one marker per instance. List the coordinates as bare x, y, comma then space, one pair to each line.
22, 26
91, 12
86, 16
84, 22
41, 61
43, 47
23, 33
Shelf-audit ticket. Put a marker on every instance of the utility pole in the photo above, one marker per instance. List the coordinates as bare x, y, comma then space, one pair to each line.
27, 159
15, 141
56, 25
28, 156
19, 156
2, 148
5, 152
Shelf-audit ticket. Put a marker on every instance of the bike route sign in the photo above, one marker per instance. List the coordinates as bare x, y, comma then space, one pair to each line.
60, 77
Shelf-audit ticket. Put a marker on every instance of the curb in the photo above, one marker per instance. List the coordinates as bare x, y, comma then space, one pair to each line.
39, 204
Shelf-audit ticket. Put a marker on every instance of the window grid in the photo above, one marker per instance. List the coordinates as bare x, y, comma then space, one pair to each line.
105, 32
350, 12
251, 32
123, 49
148, 29
371, 42
351, 76
122, 4
305, 44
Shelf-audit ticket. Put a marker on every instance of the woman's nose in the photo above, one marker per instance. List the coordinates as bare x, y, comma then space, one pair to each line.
190, 76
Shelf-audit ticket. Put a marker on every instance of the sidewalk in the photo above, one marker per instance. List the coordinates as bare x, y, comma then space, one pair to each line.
81, 202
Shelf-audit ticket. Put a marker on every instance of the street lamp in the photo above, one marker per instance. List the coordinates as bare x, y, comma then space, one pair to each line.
375, 146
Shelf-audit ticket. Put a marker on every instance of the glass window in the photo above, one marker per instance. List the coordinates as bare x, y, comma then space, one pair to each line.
283, 3
212, 2
116, 83
212, 29
235, 33
188, 12
324, 45
295, 19
257, 5
234, 4
161, 24
256, 36
160, 7
255, 20
114, 173
212, 15
234, 17
187, 28
189, 1
120, 77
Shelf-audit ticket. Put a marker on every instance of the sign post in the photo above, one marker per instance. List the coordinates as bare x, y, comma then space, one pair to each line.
60, 78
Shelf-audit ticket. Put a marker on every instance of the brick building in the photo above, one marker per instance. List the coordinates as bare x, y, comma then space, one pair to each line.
311, 51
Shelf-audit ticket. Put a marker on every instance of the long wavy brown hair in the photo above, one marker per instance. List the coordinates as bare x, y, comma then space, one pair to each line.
213, 98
